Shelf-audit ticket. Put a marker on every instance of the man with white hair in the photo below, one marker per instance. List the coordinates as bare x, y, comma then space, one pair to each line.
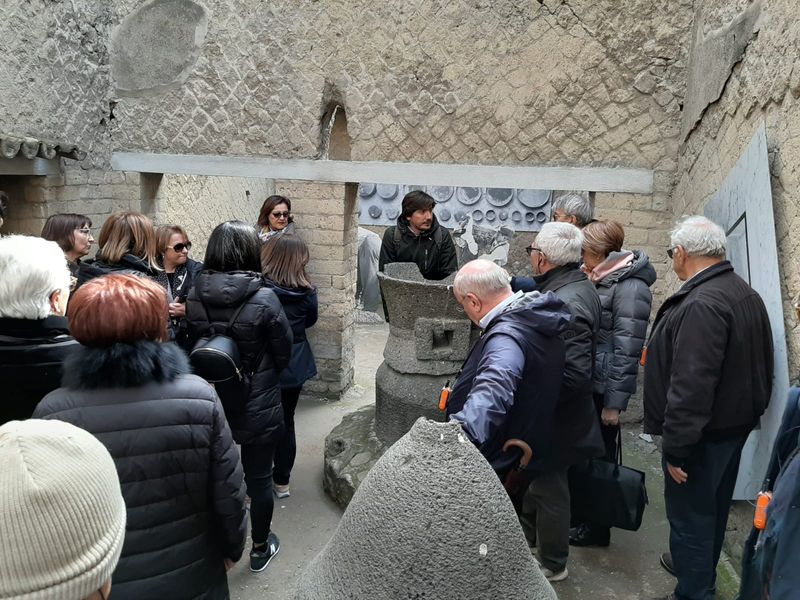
573, 208
509, 384
34, 336
707, 381
545, 518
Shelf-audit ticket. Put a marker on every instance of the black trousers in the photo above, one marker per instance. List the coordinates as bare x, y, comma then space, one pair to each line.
698, 514
286, 450
257, 465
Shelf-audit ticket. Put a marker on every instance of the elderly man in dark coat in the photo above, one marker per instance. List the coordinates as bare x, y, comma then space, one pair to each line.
545, 518
707, 381
34, 335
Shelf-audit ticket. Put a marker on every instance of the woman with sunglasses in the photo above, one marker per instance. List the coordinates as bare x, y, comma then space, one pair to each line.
178, 276
275, 217
73, 233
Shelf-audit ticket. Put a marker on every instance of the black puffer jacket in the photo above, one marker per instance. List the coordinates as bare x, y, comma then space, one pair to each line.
128, 265
264, 339
180, 472
709, 363
433, 251
577, 434
626, 299
31, 355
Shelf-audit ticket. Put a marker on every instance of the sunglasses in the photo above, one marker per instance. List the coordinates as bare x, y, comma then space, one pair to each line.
671, 251
281, 215
530, 249
181, 247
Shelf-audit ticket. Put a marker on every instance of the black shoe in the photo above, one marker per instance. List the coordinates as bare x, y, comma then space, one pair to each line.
260, 557
583, 535
666, 562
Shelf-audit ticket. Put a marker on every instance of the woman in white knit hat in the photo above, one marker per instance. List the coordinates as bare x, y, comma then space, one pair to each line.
62, 516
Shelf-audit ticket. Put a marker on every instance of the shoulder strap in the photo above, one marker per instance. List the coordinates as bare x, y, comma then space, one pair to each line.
238, 311
397, 234
437, 236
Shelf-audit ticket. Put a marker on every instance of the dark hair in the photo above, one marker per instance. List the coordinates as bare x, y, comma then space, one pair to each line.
61, 228
416, 200
3, 205
233, 246
269, 205
118, 308
603, 237
283, 261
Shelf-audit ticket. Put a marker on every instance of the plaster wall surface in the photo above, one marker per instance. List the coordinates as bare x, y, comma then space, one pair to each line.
762, 88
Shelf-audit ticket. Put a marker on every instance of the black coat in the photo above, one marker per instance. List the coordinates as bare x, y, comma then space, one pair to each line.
301, 308
178, 467
509, 385
626, 299
577, 434
182, 283
31, 354
128, 265
709, 363
433, 251
263, 336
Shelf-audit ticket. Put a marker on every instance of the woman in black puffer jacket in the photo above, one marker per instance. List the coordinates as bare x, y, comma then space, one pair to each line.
623, 279
264, 338
178, 467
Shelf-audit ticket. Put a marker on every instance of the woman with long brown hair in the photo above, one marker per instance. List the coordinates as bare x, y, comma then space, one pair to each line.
283, 261
127, 243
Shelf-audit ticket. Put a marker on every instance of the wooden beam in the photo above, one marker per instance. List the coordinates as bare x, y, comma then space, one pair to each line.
19, 165
591, 179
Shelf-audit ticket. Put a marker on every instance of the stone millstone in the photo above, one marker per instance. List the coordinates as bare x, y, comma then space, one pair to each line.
430, 520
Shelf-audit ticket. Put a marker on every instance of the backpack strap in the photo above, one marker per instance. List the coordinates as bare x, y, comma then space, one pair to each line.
397, 234
235, 316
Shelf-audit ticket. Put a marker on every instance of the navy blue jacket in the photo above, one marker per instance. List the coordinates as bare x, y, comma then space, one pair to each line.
509, 385
300, 306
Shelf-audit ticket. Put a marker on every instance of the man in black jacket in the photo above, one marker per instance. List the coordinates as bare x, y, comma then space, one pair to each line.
555, 259
34, 335
419, 238
708, 379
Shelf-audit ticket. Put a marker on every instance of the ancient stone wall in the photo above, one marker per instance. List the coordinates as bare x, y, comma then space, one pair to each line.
759, 84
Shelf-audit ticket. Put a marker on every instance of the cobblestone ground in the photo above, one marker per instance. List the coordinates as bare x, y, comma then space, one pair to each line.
627, 570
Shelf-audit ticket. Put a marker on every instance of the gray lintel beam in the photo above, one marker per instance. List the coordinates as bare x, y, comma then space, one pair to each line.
19, 165
592, 179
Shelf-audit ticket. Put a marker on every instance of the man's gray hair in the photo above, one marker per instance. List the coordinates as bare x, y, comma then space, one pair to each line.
699, 236
31, 269
561, 243
482, 278
577, 205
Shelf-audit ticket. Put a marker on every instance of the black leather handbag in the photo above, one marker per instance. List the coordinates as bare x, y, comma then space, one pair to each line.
607, 494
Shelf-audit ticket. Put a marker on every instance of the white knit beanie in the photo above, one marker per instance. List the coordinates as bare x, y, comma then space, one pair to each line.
62, 516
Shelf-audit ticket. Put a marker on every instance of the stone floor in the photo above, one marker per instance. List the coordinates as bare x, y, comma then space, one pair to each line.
627, 570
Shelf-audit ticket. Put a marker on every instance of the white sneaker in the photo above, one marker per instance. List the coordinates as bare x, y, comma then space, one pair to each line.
557, 576
281, 491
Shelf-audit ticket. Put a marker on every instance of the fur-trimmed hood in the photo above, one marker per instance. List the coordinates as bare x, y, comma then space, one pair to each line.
124, 365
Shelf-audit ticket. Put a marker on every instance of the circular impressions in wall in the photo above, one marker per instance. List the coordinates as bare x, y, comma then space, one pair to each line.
392, 213
460, 215
443, 215
503, 215
387, 191
516, 216
541, 216
530, 217
469, 195
491, 215
499, 196
441, 193
375, 212
365, 190
477, 216
533, 198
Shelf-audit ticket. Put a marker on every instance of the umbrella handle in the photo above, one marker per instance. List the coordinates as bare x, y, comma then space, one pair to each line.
527, 453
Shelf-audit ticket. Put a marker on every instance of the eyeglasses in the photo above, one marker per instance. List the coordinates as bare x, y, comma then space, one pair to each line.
671, 251
181, 247
281, 215
530, 249
84, 231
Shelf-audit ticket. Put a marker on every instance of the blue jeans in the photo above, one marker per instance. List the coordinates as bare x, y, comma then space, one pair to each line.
697, 511
257, 465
